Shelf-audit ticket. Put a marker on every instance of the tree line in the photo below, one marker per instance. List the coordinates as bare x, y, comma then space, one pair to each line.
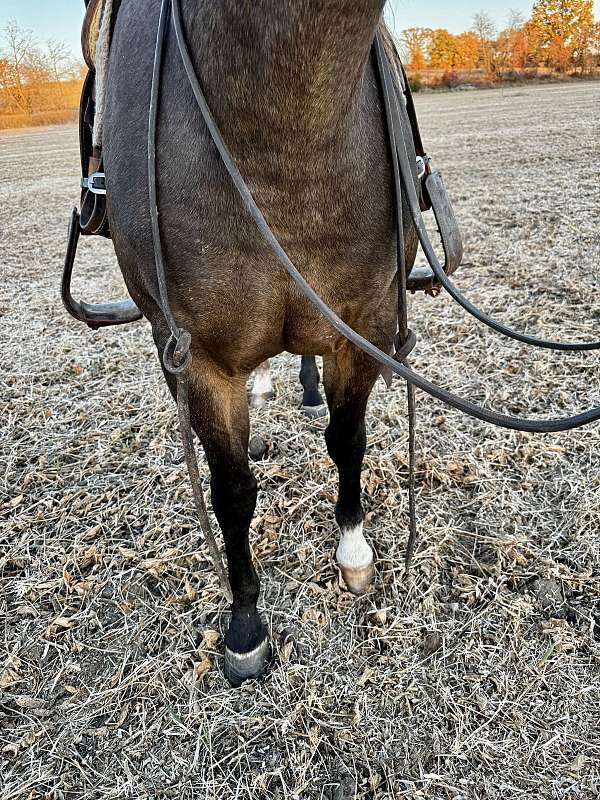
560, 35
41, 83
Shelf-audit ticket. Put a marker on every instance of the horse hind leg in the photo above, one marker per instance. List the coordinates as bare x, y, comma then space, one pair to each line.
262, 386
349, 377
312, 402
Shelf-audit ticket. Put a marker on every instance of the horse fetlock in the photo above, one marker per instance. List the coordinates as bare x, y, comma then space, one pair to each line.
355, 560
262, 388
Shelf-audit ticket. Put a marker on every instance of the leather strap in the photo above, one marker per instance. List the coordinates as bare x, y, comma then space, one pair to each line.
176, 357
405, 338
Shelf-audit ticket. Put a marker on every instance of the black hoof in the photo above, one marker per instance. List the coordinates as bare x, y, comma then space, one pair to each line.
240, 667
315, 412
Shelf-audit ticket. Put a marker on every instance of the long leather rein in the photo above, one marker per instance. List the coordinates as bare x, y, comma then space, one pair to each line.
428, 249
178, 336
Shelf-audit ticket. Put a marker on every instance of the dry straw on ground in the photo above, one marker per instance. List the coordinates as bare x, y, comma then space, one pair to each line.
476, 678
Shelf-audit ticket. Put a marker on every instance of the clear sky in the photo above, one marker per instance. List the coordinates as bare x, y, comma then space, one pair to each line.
61, 19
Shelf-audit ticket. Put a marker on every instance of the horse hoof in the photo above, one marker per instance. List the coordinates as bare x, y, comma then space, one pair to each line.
315, 412
240, 667
261, 400
358, 579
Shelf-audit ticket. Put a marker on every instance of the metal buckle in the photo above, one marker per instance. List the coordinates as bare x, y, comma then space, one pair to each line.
422, 166
96, 183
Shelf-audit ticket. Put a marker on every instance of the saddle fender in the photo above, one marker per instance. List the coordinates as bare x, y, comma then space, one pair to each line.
422, 278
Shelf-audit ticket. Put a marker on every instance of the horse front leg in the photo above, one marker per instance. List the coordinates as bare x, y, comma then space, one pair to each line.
219, 415
219, 412
349, 376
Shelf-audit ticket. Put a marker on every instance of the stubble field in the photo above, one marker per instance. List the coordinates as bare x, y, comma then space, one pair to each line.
478, 676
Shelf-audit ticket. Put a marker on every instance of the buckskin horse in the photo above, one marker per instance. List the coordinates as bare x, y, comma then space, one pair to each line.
292, 87
303, 96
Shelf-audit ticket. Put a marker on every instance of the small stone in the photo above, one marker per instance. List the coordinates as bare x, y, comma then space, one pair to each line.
547, 593
381, 616
432, 642
257, 448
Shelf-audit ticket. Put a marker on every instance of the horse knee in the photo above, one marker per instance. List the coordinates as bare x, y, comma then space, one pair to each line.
234, 499
346, 441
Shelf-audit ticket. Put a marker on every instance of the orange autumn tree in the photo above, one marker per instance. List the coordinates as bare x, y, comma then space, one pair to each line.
561, 31
467, 50
594, 52
514, 43
442, 49
561, 35
415, 42
445, 51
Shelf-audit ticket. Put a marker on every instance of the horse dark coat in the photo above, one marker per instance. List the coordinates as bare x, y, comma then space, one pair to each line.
293, 89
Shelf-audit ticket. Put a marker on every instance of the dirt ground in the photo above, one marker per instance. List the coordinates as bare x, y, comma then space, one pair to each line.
476, 677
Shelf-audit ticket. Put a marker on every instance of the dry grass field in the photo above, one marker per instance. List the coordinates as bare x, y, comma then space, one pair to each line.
475, 678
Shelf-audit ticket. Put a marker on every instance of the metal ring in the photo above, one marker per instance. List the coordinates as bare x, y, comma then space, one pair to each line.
176, 356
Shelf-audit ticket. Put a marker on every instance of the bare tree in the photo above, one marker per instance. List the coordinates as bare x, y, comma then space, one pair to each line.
515, 20
484, 26
485, 29
20, 51
59, 60
415, 43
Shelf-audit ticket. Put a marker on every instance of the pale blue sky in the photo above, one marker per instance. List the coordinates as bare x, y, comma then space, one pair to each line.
61, 19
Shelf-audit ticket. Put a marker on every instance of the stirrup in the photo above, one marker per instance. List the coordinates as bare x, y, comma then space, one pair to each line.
422, 279
95, 315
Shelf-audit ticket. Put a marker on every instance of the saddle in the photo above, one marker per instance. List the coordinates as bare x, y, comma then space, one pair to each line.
90, 31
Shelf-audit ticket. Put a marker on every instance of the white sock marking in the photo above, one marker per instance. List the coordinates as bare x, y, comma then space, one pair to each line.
353, 550
262, 382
